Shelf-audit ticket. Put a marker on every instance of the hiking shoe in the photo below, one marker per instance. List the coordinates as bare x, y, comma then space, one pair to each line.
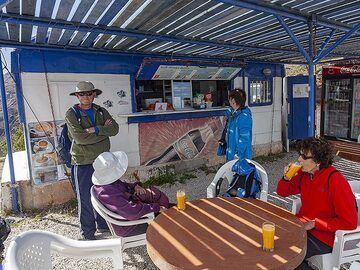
87, 238
103, 230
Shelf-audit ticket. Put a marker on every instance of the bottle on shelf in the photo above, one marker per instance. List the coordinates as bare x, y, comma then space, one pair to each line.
188, 146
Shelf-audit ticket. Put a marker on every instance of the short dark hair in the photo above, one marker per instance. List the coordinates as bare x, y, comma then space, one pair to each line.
239, 96
319, 148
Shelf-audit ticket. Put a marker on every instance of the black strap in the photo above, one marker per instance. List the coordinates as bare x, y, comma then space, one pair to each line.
77, 113
223, 134
218, 186
330, 174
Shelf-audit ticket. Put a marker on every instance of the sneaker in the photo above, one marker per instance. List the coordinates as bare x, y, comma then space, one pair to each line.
87, 238
103, 230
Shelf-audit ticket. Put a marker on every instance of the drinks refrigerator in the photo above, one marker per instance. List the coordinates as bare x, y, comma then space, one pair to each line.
341, 103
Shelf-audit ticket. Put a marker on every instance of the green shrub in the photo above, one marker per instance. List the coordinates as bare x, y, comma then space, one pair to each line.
17, 141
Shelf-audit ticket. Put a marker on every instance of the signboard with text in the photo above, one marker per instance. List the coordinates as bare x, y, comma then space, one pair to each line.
342, 70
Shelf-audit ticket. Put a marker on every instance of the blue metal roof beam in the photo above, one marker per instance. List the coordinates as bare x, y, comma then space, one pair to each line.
337, 43
4, 3
326, 42
287, 13
40, 47
294, 38
30, 20
45, 47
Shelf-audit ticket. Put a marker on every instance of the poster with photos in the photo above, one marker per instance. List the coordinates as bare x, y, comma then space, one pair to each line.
45, 162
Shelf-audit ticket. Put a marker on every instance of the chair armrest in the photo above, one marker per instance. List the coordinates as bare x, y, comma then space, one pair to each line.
342, 233
125, 222
296, 204
225, 173
87, 249
346, 246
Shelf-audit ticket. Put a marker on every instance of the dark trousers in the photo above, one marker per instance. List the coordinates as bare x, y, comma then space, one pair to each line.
89, 219
314, 247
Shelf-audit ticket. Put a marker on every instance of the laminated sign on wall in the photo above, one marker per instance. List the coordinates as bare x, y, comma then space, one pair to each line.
46, 165
300, 91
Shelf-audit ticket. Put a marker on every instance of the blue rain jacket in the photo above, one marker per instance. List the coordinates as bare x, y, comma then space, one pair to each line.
239, 134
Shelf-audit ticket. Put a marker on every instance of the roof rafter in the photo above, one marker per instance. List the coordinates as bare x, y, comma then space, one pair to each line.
288, 13
3, 3
84, 27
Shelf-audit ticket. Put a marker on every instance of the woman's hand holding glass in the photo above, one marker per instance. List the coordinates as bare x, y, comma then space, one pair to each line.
138, 190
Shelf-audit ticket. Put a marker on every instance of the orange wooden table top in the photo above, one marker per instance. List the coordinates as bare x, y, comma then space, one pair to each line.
225, 233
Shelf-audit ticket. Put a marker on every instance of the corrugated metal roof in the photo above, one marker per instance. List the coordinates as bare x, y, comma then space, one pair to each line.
228, 29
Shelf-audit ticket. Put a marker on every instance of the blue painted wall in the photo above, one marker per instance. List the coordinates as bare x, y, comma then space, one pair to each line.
71, 62
256, 70
78, 62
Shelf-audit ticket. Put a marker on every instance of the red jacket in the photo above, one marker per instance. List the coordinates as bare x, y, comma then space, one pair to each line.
328, 201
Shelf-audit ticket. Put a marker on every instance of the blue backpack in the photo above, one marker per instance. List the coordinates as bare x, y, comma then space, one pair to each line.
64, 143
246, 181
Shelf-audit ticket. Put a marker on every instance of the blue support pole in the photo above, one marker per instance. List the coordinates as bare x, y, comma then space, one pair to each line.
15, 58
16, 70
337, 43
326, 42
311, 115
14, 197
132, 91
294, 38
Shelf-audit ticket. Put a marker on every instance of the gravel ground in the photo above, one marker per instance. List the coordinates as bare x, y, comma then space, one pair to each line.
63, 220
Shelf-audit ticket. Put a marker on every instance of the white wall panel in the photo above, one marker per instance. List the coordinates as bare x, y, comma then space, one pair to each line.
116, 98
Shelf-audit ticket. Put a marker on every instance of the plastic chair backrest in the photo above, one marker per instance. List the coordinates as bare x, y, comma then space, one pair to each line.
112, 218
355, 187
225, 172
31, 251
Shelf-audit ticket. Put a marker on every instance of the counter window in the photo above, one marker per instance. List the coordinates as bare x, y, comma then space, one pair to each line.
181, 94
260, 92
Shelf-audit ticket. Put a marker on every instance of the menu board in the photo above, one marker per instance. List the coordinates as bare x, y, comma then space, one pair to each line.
182, 94
170, 72
46, 165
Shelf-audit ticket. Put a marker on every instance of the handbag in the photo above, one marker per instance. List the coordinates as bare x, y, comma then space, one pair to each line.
221, 150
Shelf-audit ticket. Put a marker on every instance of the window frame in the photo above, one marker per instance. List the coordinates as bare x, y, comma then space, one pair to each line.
262, 79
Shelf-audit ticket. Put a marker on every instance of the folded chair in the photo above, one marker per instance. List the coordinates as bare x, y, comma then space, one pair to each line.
32, 250
112, 218
225, 172
346, 244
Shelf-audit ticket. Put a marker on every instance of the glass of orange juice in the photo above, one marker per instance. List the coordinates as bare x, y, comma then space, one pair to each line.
181, 199
293, 169
268, 233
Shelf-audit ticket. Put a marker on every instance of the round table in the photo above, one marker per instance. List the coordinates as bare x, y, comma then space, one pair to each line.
225, 233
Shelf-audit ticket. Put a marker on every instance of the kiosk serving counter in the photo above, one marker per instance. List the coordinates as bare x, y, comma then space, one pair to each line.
185, 125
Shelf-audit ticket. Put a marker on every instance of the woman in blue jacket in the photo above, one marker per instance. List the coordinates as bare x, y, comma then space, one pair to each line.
239, 127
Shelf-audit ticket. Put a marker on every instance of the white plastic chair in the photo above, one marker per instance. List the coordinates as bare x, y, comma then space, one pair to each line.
32, 250
346, 247
225, 172
112, 218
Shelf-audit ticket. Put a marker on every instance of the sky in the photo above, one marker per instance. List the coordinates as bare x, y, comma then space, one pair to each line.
6, 52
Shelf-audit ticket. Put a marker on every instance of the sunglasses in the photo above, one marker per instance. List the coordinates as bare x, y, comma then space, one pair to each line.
304, 157
86, 94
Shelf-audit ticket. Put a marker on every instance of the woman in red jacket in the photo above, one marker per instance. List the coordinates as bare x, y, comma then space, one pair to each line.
327, 201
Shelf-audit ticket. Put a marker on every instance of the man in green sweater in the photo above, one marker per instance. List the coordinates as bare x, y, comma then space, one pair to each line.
90, 137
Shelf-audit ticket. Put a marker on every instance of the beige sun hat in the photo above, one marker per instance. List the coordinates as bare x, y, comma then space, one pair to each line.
109, 167
85, 86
